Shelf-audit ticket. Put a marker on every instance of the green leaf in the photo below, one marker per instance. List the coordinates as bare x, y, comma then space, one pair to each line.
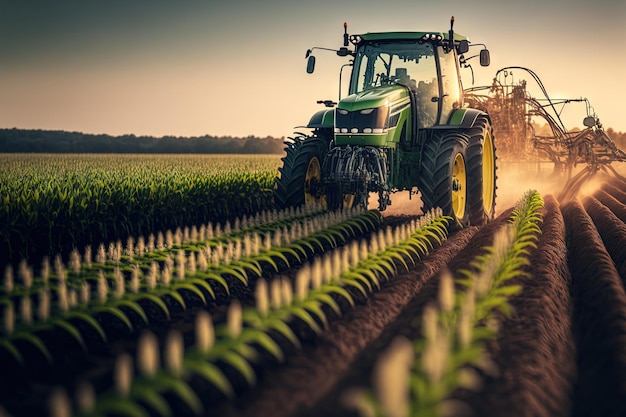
290, 251
184, 285
73, 331
298, 245
354, 283
115, 312
358, 277
160, 303
269, 260
392, 254
240, 365
315, 240
215, 277
366, 272
507, 290
212, 374
326, 299
315, 307
237, 274
117, 405
305, 316
339, 290
182, 389
135, 307
12, 350
89, 320
266, 342
282, 327
201, 283
35, 341
370, 263
145, 393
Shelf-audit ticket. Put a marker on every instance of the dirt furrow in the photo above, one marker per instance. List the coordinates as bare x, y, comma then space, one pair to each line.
599, 320
534, 351
407, 324
617, 207
312, 372
612, 231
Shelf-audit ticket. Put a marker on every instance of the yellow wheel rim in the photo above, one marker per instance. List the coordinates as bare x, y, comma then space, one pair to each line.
459, 186
489, 173
311, 182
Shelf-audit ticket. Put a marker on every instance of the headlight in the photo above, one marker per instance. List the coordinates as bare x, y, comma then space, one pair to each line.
368, 121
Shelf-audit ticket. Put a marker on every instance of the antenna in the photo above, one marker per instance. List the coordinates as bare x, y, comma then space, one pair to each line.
345, 34
451, 33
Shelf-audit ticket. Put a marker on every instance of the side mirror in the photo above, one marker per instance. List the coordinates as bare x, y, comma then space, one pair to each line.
485, 59
589, 121
463, 47
310, 64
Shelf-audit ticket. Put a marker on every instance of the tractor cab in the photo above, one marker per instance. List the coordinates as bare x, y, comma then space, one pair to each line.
401, 82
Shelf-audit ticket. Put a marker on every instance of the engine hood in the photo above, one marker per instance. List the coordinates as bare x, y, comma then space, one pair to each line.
387, 95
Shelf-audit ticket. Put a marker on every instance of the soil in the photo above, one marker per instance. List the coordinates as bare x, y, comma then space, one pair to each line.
561, 353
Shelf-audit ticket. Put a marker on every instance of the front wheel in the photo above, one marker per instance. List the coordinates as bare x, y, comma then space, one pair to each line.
299, 180
443, 177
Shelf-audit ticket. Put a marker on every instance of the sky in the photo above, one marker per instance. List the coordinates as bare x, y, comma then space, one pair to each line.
237, 68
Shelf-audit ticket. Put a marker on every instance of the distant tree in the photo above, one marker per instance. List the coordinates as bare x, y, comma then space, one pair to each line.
57, 141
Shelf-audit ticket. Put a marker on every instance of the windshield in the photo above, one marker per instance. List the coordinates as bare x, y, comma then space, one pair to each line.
403, 62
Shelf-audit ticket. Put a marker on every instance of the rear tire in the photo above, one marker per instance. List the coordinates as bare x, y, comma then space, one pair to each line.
443, 176
481, 162
299, 179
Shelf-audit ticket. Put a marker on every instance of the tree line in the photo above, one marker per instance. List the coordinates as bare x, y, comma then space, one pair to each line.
59, 141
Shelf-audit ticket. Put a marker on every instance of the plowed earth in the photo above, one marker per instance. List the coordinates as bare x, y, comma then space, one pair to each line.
562, 352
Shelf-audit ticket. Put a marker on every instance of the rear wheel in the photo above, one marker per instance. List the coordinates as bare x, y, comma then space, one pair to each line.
481, 162
299, 179
443, 176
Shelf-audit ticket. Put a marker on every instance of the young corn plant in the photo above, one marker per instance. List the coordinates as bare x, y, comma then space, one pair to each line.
142, 393
316, 285
417, 379
111, 286
236, 342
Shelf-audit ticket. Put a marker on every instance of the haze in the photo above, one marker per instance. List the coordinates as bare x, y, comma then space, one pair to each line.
194, 68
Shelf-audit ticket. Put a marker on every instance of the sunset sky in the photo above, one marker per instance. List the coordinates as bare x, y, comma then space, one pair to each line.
190, 68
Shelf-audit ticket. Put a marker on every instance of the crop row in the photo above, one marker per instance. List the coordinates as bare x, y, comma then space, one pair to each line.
51, 204
326, 285
192, 270
419, 378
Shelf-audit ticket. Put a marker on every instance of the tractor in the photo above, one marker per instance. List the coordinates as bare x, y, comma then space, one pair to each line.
404, 126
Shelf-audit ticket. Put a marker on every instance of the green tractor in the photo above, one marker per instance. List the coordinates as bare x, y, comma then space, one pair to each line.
403, 127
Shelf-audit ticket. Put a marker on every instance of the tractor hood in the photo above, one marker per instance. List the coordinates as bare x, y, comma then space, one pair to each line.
370, 117
376, 97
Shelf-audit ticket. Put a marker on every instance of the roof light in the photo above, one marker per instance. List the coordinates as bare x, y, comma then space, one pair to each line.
354, 130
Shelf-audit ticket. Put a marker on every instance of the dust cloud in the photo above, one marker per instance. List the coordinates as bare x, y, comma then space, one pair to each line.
514, 179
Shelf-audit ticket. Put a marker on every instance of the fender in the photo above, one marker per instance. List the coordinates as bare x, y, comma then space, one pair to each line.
465, 118
323, 118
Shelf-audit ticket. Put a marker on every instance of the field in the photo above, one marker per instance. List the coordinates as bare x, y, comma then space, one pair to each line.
249, 311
